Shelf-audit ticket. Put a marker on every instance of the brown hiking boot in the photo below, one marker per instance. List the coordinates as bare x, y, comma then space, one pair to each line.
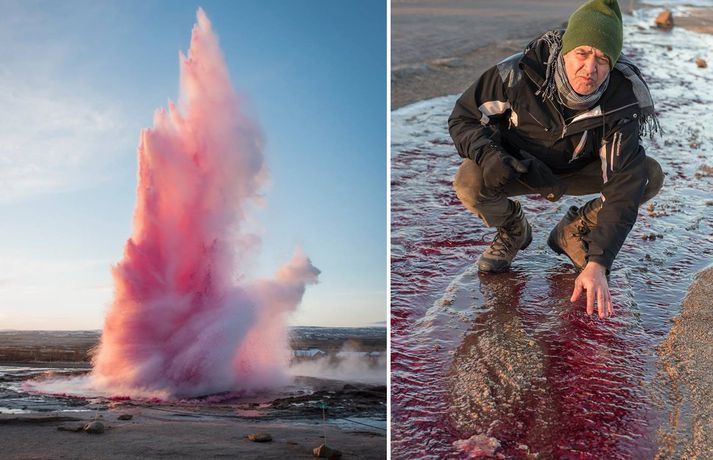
514, 235
568, 235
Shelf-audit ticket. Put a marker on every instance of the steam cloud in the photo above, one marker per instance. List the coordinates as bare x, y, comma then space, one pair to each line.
180, 325
349, 364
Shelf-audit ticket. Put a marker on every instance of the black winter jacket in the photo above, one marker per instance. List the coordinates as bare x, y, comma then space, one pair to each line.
502, 108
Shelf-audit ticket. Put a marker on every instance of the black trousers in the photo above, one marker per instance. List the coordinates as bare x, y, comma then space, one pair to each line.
494, 207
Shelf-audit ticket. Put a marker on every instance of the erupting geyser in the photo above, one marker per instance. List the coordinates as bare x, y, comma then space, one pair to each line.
180, 324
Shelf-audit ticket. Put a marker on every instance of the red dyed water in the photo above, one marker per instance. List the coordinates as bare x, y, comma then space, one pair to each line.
508, 356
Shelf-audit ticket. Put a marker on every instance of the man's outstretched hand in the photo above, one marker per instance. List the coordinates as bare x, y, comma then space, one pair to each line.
593, 280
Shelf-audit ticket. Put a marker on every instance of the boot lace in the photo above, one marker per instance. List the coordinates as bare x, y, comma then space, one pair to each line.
504, 241
582, 229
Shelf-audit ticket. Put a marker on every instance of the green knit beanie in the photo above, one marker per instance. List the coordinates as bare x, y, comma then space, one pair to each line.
597, 23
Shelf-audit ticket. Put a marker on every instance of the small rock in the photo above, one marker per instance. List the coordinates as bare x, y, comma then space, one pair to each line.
478, 445
704, 170
260, 437
664, 20
125, 417
94, 427
326, 452
669, 47
701, 63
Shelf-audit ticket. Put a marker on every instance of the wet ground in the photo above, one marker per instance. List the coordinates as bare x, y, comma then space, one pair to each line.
46, 372
304, 398
505, 363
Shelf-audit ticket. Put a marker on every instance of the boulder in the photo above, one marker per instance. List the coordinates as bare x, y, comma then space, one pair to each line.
700, 62
664, 20
95, 427
326, 452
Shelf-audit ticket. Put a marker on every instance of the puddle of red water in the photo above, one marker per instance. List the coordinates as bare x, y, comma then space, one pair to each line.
509, 355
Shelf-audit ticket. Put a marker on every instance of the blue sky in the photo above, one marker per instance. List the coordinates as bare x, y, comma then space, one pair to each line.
80, 79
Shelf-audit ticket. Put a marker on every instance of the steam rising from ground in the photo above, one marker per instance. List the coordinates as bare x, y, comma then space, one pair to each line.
179, 324
349, 364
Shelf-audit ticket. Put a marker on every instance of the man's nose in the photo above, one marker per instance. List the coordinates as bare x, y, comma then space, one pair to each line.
590, 65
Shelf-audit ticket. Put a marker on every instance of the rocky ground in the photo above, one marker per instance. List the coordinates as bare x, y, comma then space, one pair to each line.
157, 433
352, 415
687, 360
42, 426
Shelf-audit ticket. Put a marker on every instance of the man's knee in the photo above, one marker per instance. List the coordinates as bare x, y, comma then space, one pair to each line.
467, 184
655, 177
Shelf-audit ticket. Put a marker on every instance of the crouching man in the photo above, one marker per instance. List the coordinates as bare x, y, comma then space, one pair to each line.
563, 117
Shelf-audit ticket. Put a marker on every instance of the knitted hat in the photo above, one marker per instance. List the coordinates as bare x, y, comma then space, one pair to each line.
597, 23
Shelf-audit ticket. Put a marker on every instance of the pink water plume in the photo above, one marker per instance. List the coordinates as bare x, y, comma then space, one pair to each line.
181, 324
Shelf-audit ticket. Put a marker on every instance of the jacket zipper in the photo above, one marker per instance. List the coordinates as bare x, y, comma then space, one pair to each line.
560, 116
538, 121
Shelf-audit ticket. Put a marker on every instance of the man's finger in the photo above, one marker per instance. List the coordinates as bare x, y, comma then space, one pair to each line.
610, 305
601, 303
590, 302
577, 292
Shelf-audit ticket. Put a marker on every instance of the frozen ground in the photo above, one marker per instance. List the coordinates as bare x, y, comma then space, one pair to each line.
507, 357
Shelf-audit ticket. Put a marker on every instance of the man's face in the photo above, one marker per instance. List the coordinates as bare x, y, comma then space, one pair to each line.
586, 69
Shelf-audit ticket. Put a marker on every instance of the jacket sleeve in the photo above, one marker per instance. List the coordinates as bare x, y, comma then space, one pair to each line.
624, 175
472, 123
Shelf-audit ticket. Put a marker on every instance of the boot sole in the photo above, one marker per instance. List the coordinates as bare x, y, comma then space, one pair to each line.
528, 240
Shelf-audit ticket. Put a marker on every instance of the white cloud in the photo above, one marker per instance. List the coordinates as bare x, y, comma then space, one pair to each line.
58, 130
51, 142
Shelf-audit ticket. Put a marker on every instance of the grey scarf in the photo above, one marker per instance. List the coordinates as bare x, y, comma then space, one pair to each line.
568, 96
549, 87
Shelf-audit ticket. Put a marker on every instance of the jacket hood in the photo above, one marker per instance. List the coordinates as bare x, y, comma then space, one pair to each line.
536, 56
